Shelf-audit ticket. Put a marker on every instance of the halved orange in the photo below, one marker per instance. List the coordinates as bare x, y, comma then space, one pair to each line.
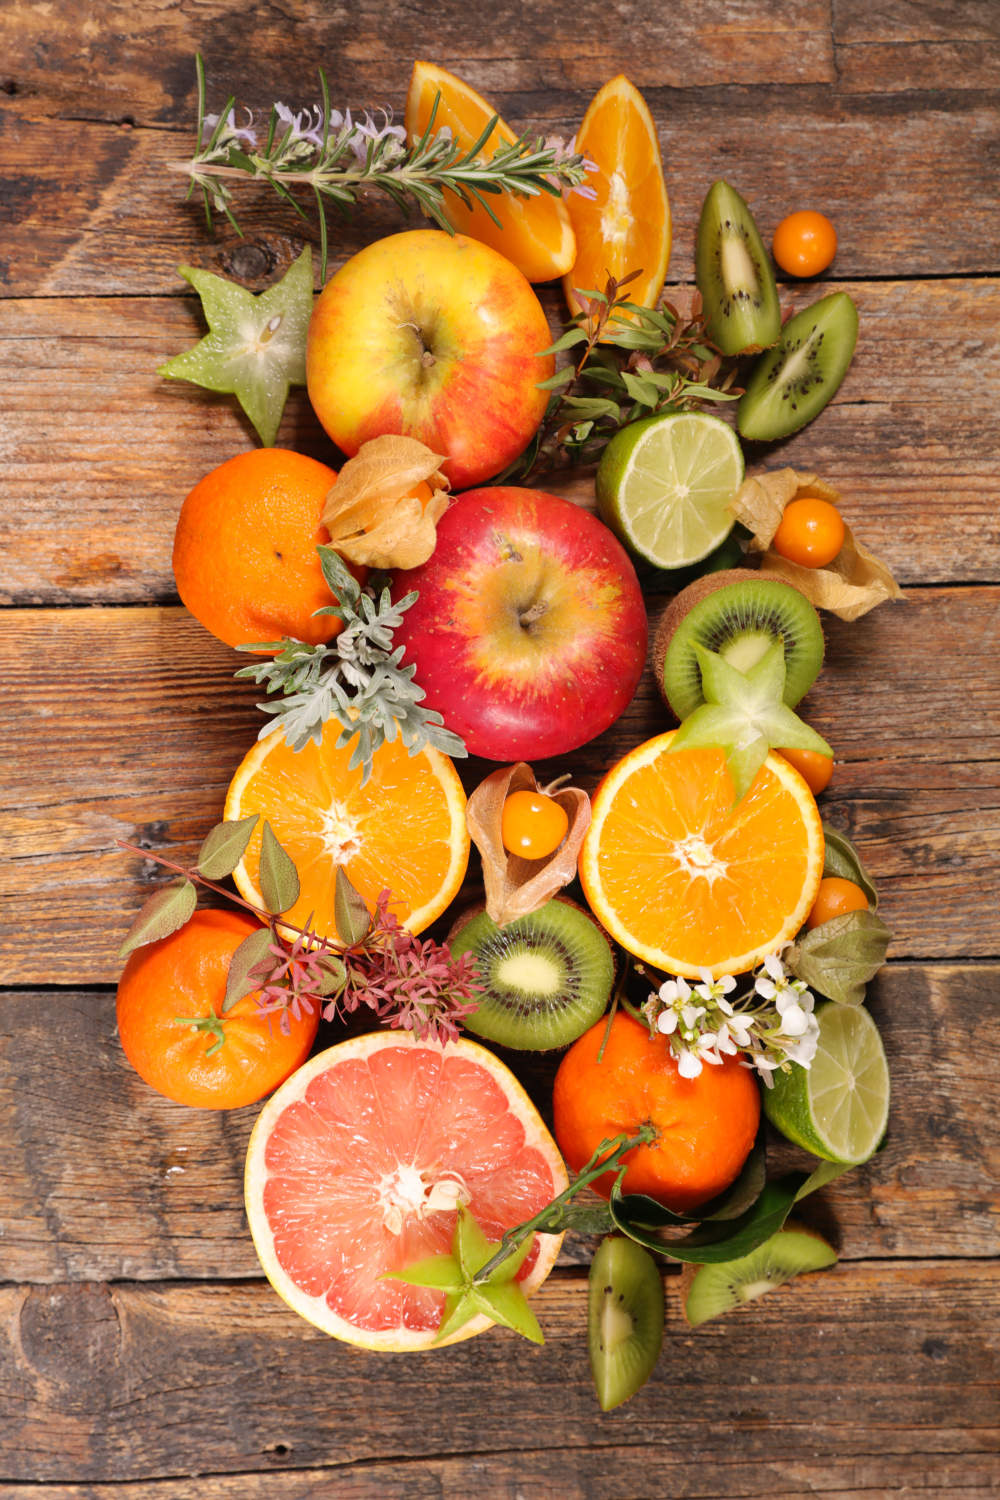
683, 878
356, 1168
534, 232
403, 830
626, 226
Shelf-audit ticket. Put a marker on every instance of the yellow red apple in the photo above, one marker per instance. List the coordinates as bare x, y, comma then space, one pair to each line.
437, 337
529, 630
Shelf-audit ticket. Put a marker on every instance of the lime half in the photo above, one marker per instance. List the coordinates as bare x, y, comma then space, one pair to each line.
664, 484
838, 1107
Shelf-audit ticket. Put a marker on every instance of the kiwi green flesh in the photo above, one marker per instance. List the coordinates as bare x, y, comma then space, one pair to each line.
547, 976
715, 1289
792, 383
741, 620
625, 1319
734, 274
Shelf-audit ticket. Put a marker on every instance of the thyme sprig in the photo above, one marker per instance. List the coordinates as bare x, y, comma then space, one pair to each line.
338, 158
627, 362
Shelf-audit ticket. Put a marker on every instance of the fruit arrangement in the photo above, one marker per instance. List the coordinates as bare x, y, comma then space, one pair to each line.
692, 938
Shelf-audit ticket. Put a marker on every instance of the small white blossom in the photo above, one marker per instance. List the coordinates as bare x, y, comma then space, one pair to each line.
794, 1020
716, 989
672, 990
667, 1022
688, 1063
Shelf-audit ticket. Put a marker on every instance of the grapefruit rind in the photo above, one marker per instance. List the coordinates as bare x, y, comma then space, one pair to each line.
602, 905
315, 1309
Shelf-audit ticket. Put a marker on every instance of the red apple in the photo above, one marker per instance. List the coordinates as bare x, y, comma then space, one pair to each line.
529, 633
437, 337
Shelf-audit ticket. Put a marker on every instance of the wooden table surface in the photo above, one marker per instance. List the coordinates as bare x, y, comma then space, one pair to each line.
141, 1352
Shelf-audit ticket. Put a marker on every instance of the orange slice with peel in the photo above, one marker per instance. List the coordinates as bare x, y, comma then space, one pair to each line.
684, 878
403, 830
534, 232
626, 226
356, 1168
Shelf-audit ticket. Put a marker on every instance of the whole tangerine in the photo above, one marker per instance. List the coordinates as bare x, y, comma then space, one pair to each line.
705, 1126
245, 556
173, 1030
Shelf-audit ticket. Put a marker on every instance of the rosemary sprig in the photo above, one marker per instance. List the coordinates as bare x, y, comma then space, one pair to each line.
628, 362
356, 679
338, 158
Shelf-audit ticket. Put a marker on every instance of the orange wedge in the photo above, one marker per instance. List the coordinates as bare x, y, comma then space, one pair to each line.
626, 226
404, 830
534, 232
683, 878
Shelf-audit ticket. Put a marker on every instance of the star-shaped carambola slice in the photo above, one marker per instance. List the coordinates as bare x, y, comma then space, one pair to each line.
499, 1297
256, 345
745, 714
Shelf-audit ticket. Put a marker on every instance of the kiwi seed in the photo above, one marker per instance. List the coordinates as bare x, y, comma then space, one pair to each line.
734, 275
792, 383
739, 614
713, 1289
547, 976
625, 1319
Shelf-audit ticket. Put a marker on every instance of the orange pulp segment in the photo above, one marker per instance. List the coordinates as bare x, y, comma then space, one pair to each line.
626, 226
684, 879
356, 1167
534, 232
404, 830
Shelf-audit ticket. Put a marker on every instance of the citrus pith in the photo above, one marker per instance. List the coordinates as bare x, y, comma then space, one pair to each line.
357, 1165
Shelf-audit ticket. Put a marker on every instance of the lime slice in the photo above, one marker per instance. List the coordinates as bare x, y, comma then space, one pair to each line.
837, 1108
664, 484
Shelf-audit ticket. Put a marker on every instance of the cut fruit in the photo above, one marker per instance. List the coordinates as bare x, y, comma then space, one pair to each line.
535, 233
713, 1289
734, 274
625, 1319
403, 830
547, 975
356, 1168
664, 485
625, 227
792, 383
837, 1108
732, 883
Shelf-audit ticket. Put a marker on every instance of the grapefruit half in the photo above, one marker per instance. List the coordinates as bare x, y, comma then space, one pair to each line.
357, 1165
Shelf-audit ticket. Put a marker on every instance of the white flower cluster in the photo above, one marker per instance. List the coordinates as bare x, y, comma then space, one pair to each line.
773, 1025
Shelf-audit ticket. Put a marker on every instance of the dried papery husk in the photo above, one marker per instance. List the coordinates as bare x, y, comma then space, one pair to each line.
515, 886
852, 584
371, 514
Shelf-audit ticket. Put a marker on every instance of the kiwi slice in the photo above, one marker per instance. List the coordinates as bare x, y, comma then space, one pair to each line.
739, 614
734, 274
625, 1319
714, 1289
548, 976
791, 384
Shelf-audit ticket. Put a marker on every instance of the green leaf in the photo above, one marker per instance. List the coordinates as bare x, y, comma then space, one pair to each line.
574, 335
224, 847
339, 579
643, 391
839, 957
165, 911
843, 859
252, 951
560, 378
333, 974
734, 1203
717, 1240
256, 345
350, 914
279, 879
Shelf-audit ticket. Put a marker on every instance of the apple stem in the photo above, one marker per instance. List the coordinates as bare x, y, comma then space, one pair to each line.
530, 615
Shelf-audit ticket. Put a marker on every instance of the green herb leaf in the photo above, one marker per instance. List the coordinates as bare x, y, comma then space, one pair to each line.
716, 1240
256, 345
279, 879
224, 847
164, 912
252, 951
350, 914
839, 957
843, 859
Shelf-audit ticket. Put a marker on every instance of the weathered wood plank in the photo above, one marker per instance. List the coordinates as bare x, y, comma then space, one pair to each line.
102, 1179
916, 44
98, 451
129, 1382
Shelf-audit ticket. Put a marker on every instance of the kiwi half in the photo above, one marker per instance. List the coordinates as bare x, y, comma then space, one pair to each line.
734, 274
714, 1289
625, 1313
739, 614
547, 976
792, 383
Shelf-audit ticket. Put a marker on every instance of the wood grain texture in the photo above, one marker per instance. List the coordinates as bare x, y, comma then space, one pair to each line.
99, 451
103, 1179
129, 1382
889, 48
